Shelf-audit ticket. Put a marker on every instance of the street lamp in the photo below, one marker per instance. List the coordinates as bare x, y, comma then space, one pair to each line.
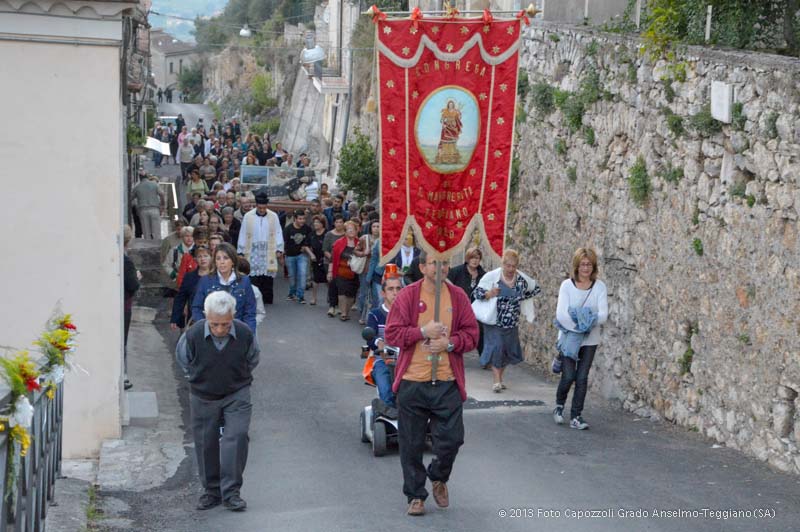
312, 56
245, 32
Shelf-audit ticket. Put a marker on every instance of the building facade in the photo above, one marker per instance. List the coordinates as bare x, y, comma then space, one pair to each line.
64, 69
170, 57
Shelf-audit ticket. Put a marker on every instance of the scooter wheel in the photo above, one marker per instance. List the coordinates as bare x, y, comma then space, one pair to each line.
363, 424
378, 439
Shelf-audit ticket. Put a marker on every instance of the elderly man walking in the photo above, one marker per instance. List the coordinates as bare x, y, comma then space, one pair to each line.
261, 243
218, 355
147, 197
426, 394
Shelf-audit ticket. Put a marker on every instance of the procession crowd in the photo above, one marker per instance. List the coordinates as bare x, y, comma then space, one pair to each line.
228, 247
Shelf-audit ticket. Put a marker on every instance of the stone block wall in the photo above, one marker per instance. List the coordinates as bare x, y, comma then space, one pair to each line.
704, 274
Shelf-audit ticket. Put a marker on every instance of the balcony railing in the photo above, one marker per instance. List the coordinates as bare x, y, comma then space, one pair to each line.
28, 496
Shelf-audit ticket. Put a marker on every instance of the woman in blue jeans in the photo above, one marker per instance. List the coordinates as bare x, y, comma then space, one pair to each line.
582, 289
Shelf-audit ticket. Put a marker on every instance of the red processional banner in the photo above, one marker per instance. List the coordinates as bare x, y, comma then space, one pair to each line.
447, 103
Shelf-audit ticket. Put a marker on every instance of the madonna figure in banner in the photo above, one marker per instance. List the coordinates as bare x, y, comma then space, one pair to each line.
451, 129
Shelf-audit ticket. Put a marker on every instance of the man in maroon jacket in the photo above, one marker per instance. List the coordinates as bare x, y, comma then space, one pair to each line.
421, 395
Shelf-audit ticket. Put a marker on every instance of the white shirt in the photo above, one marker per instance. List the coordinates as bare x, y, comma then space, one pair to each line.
570, 296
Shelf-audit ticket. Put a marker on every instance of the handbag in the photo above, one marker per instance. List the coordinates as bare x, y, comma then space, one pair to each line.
485, 311
357, 264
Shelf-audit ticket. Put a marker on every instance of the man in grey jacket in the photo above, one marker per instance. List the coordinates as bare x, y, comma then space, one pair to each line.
147, 197
217, 356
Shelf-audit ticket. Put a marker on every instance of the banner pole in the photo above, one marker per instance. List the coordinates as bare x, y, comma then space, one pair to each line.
530, 11
437, 304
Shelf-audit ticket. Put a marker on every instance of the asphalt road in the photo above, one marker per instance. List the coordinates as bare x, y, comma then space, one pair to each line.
308, 470
191, 112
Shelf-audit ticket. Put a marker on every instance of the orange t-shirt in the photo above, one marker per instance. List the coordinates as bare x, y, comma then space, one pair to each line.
419, 370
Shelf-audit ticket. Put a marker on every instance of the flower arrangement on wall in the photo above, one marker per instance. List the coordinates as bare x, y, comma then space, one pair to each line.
25, 376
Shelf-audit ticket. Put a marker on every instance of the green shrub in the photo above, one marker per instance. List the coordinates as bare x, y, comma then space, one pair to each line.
543, 98
669, 92
639, 182
588, 135
134, 135
696, 216
771, 128
744, 338
671, 174
738, 190
523, 85
553, 37
261, 91
705, 124
270, 125
675, 124
572, 174
560, 145
547, 183
738, 120
751, 200
560, 97
591, 48
514, 180
573, 110
358, 167
686, 361
590, 90
697, 244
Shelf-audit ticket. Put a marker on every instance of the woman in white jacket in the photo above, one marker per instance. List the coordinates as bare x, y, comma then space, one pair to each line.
510, 292
582, 289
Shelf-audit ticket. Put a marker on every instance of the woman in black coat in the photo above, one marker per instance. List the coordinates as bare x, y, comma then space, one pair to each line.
467, 276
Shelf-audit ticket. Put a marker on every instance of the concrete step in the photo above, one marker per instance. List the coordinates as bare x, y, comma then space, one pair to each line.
142, 408
153, 275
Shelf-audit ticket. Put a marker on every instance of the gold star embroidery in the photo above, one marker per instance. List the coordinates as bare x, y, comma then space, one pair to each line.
498, 153
490, 217
482, 96
392, 152
449, 47
510, 30
472, 172
493, 186
500, 121
487, 29
406, 50
390, 84
415, 95
495, 49
460, 225
393, 184
416, 173
435, 30
464, 30
428, 225
387, 30
503, 87
390, 118
412, 30
442, 243
393, 216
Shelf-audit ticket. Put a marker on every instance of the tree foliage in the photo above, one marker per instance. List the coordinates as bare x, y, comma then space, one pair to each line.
358, 167
190, 81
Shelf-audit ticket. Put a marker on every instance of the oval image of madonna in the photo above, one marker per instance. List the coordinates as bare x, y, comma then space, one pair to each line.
446, 129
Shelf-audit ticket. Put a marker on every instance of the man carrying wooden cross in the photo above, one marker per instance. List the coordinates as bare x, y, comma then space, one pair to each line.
429, 380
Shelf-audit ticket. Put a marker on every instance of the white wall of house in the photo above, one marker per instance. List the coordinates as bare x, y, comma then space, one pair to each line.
162, 75
62, 236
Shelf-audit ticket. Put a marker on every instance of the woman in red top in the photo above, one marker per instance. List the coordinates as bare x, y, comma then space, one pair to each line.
339, 271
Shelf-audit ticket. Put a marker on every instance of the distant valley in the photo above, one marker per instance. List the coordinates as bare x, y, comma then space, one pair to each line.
188, 9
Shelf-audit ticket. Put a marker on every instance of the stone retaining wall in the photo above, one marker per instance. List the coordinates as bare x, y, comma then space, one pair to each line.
704, 275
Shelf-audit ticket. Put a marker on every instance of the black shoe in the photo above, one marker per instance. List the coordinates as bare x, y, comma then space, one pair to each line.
235, 504
208, 501
128, 384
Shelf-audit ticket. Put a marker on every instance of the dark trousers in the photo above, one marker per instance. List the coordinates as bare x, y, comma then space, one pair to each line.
579, 374
221, 460
264, 285
127, 326
418, 403
333, 294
